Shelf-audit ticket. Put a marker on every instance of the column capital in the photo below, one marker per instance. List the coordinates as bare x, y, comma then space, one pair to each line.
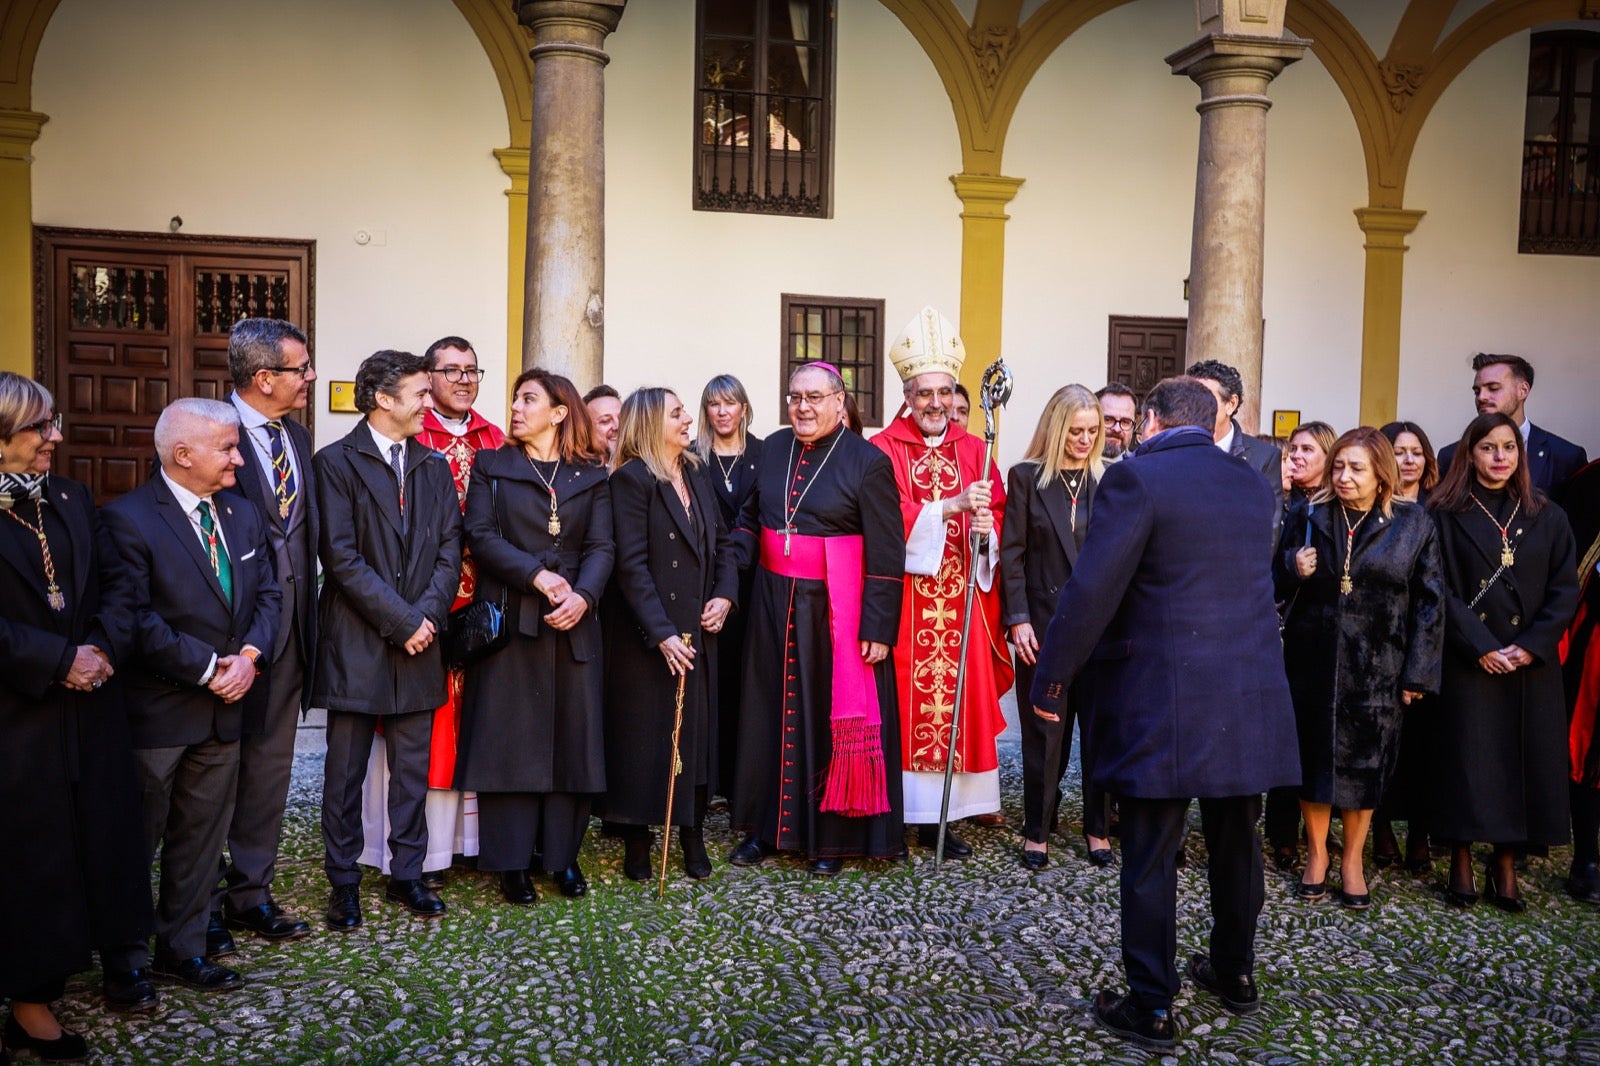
1387, 227
985, 195
570, 27
1221, 54
514, 164
18, 131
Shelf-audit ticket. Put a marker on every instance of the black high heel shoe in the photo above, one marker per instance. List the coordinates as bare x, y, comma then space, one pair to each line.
68, 1047
696, 863
1491, 892
636, 855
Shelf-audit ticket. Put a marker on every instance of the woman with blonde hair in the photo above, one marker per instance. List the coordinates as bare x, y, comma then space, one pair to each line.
675, 583
1362, 639
732, 455
1050, 494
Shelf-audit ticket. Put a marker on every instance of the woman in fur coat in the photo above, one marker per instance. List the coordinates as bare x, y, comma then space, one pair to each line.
1362, 638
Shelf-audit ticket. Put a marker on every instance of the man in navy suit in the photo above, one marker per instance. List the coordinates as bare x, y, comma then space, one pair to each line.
272, 375
1501, 383
205, 608
1169, 617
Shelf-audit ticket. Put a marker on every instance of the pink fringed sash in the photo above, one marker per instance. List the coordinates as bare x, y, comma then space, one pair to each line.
857, 781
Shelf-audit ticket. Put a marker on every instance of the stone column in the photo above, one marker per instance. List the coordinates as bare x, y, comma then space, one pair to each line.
18, 131
1233, 71
564, 308
983, 257
1386, 229
514, 164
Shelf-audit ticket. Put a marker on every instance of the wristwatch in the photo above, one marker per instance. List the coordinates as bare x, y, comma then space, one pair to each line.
254, 655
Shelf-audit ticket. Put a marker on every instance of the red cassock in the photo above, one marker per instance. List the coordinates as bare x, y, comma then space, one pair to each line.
460, 451
927, 655
1580, 649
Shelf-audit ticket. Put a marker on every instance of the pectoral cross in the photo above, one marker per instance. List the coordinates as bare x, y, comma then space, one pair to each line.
787, 531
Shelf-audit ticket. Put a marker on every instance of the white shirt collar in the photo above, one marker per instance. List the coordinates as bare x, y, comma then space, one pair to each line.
1226, 443
384, 443
186, 499
249, 417
1527, 428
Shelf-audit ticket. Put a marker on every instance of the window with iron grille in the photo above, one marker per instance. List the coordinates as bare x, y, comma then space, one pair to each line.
764, 106
845, 332
1561, 134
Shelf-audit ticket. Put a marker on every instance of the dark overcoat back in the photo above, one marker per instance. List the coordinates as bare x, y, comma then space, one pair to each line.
666, 570
1498, 743
1169, 616
1348, 657
69, 801
383, 575
181, 618
531, 713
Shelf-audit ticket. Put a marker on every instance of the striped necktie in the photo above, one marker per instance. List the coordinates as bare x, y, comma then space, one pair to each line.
397, 461
283, 483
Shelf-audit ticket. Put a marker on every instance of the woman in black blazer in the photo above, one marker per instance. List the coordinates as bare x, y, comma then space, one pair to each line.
538, 524
732, 456
1049, 495
77, 876
675, 583
1497, 752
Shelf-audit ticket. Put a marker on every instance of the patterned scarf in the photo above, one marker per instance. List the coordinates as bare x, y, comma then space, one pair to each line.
15, 488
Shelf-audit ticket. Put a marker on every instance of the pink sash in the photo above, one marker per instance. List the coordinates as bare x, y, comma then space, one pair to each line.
857, 783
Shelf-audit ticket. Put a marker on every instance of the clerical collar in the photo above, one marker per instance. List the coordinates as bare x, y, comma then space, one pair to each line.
456, 427
934, 442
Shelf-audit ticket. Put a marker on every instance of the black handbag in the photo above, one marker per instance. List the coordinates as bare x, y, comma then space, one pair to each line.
479, 629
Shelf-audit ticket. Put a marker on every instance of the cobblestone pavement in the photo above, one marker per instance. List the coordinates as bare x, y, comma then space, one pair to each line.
981, 962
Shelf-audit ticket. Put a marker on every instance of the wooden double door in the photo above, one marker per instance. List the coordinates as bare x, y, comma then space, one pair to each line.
1144, 351
132, 321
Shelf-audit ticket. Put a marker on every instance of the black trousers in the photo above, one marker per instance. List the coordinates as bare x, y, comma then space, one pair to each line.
407, 739
1283, 817
1585, 823
514, 826
1152, 833
1046, 750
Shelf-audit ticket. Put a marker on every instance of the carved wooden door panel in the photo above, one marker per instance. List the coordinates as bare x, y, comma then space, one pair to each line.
130, 322
1144, 351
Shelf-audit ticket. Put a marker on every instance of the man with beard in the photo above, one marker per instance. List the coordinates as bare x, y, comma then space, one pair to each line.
1501, 383
605, 411
940, 474
1120, 412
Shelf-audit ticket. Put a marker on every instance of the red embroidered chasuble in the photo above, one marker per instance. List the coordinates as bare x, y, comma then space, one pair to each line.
460, 451
926, 657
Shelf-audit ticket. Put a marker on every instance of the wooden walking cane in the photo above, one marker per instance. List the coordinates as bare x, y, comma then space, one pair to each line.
994, 392
673, 770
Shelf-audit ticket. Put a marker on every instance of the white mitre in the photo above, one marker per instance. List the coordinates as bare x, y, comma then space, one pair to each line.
928, 345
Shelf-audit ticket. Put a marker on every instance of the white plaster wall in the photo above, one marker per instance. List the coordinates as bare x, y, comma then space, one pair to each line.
315, 122
691, 294
1106, 138
1467, 289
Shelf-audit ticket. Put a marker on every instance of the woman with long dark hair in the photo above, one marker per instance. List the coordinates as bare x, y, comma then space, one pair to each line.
675, 582
1361, 640
1414, 457
1498, 749
77, 876
538, 523
1050, 494
732, 457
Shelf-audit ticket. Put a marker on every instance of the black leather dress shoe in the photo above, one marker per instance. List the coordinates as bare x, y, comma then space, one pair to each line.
696, 863
636, 855
68, 1047
1285, 858
1583, 882
434, 879
219, 942
1238, 994
1153, 1029
750, 852
516, 888
344, 908
954, 846
1035, 860
269, 921
571, 882
128, 991
415, 897
825, 867
197, 973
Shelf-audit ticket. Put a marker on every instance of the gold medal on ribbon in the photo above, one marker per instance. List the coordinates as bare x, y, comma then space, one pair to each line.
555, 524
1507, 556
1346, 586
57, 601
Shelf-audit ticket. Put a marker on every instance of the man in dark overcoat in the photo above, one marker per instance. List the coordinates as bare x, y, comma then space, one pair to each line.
1169, 617
205, 610
272, 375
391, 560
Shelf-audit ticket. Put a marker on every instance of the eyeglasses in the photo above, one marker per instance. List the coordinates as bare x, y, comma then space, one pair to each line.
470, 374
924, 395
811, 399
1119, 423
44, 425
303, 369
